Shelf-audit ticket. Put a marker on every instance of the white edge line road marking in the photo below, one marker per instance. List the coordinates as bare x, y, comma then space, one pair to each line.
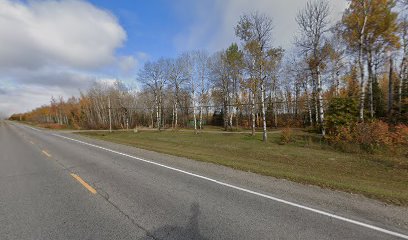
34, 128
372, 227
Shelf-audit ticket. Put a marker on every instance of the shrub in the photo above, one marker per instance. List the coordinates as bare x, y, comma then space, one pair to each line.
341, 138
341, 134
400, 135
368, 136
286, 136
371, 135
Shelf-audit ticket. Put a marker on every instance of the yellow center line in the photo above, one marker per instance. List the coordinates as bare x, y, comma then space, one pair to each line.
86, 185
46, 154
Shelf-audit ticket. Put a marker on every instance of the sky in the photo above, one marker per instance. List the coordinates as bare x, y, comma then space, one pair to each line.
59, 47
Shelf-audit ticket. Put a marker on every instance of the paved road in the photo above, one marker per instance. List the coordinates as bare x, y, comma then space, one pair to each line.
55, 187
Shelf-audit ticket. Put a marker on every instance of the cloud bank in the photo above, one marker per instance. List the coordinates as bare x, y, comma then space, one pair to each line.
54, 48
70, 33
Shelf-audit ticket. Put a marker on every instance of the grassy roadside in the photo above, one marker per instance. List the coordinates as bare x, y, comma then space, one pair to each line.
376, 176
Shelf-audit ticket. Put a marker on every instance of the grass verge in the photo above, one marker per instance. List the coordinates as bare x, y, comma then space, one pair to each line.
382, 177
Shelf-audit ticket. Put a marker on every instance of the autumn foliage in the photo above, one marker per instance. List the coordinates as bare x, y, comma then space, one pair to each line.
370, 136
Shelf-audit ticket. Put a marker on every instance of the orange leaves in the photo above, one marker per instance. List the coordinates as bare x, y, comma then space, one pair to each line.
400, 135
371, 135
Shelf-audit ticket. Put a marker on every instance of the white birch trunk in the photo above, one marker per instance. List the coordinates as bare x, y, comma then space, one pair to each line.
370, 83
253, 112
201, 116
320, 101
172, 117
401, 82
151, 118
194, 106
265, 134
157, 113
230, 117
361, 65
390, 86
159, 120
176, 116
195, 118
309, 108
110, 115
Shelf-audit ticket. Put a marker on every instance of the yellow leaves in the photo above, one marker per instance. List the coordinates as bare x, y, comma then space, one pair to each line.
381, 27
254, 48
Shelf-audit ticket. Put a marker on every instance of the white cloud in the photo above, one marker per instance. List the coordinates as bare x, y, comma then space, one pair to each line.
50, 77
127, 64
23, 96
70, 32
214, 21
53, 48
27, 97
130, 64
107, 81
142, 56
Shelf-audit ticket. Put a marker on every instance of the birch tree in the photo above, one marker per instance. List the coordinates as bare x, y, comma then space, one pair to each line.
273, 61
403, 75
222, 84
153, 77
201, 62
255, 30
371, 27
235, 63
313, 23
355, 19
192, 81
177, 74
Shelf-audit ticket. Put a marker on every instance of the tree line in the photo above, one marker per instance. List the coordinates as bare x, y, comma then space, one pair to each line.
354, 70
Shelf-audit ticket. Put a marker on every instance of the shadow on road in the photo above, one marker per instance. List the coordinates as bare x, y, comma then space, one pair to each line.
190, 231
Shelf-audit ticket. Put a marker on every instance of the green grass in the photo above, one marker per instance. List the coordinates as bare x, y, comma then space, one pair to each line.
382, 177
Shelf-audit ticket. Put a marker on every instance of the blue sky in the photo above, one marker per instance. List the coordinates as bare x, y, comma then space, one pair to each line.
150, 25
58, 47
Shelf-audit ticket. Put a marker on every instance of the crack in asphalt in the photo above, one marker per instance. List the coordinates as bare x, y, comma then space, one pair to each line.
132, 220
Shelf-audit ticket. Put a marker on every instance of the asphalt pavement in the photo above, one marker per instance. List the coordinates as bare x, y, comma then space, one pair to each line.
57, 185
